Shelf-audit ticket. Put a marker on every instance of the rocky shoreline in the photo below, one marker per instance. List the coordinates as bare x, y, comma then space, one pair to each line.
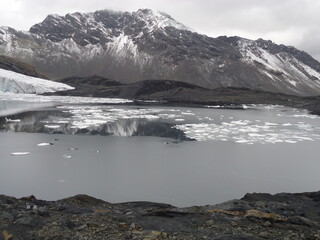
255, 216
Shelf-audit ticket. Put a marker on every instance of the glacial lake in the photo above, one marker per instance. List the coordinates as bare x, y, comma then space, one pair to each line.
119, 151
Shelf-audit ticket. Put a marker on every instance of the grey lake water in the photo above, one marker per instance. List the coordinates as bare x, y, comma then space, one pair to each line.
56, 147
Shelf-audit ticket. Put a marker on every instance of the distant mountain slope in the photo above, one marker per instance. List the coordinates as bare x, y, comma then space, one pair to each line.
12, 64
142, 45
185, 94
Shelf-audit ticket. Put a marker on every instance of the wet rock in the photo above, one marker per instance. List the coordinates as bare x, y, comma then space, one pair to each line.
209, 223
67, 224
301, 221
156, 235
28, 220
82, 227
234, 224
42, 211
264, 235
316, 236
267, 224
92, 225
7, 216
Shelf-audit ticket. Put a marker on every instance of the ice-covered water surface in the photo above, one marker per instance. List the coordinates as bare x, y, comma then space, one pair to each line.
59, 99
253, 124
282, 125
76, 115
12, 103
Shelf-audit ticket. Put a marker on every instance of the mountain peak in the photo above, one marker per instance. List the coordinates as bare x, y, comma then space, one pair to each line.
159, 19
101, 24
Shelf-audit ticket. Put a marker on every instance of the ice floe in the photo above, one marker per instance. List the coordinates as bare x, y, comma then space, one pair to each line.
20, 153
44, 144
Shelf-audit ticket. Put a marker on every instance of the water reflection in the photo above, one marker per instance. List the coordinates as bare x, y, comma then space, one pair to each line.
13, 107
60, 122
254, 124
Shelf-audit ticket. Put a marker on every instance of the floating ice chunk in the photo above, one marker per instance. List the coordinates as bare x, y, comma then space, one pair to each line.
242, 141
216, 106
244, 106
290, 141
67, 156
20, 153
187, 113
303, 138
241, 122
255, 135
8, 120
271, 124
306, 116
52, 126
179, 120
72, 149
44, 144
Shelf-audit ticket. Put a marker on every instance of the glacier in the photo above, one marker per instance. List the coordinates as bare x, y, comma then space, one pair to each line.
18, 83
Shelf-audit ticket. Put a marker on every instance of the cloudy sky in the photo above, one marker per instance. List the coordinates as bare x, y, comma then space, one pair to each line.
290, 22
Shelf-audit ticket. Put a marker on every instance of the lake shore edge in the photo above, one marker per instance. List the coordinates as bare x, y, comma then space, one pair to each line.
255, 216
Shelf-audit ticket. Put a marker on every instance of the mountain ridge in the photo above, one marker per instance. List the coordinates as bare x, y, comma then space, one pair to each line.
129, 47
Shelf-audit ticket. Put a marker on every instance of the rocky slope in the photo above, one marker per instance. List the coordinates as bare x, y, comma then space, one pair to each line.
141, 45
11, 64
256, 217
180, 93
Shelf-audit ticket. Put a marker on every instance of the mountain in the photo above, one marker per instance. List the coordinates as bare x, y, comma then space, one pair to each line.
142, 45
19, 83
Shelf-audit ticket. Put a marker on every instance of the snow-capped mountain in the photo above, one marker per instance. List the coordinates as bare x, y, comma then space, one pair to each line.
13, 82
141, 45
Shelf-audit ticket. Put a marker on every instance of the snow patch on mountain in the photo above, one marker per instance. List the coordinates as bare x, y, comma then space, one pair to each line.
157, 19
123, 48
18, 83
280, 67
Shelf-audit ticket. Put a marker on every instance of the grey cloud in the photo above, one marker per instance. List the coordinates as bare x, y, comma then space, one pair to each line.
291, 22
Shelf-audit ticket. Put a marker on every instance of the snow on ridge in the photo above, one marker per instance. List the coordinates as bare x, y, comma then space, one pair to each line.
123, 48
18, 83
4, 34
290, 69
157, 19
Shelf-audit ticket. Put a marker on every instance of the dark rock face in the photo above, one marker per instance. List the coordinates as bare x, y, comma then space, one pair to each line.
92, 80
11, 64
130, 47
